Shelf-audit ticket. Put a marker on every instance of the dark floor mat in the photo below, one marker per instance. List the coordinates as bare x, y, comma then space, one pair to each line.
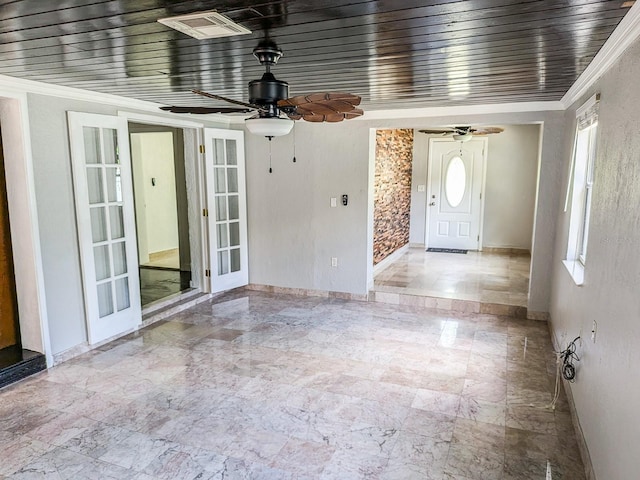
447, 250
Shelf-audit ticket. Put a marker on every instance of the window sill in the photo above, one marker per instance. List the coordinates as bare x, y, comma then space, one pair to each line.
576, 270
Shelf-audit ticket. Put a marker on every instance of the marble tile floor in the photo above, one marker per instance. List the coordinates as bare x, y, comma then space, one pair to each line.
254, 385
476, 276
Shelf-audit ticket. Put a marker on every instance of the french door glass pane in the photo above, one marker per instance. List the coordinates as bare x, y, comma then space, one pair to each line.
223, 262
220, 183
235, 259
117, 222
98, 224
114, 187
223, 240
110, 137
218, 152
94, 185
234, 233
91, 144
234, 209
119, 258
232, 154
101, 260
105, 299
122, 293
232, 180
221, 209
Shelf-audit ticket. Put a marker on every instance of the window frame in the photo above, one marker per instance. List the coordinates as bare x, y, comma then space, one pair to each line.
580, 188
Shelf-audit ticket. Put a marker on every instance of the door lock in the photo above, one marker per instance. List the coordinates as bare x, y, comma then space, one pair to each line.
432, 204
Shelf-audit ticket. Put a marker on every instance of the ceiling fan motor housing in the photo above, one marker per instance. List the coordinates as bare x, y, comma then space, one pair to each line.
268, 90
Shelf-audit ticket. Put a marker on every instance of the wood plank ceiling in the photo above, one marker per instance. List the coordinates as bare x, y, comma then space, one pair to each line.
393, 53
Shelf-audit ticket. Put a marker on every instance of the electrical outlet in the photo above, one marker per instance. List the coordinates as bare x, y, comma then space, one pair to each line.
594, 329
334, 261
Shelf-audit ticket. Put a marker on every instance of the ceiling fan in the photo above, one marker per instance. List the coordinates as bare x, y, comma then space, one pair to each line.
463, 134
269, 100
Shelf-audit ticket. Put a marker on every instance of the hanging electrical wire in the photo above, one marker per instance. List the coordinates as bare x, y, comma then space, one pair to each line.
564, 362
294, 143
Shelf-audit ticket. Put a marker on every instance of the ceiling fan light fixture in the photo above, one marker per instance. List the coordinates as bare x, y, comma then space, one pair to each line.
269, 126
465, 137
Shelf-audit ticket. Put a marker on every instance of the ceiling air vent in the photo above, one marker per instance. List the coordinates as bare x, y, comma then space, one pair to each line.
203, 25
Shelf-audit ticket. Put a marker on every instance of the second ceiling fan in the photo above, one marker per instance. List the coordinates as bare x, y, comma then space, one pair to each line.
269, 100
462, 134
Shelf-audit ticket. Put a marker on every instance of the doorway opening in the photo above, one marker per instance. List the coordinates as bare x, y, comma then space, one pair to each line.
496, 233
161, 206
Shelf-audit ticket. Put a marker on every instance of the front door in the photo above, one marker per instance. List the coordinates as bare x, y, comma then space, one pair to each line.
106, 225
227, 201
456, 173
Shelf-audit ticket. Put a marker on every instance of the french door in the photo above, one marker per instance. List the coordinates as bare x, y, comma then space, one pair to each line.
456, 175
106, 223
226, 198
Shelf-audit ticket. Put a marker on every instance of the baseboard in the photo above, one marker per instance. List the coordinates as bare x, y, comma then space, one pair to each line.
582, 443
304, 292
506, 250
378, 267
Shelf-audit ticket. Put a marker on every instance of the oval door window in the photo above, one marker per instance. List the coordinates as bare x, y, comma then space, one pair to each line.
455, 181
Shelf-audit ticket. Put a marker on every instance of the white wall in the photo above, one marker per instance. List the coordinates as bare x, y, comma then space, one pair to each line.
607, 389
152, 155
293, 231
510, 192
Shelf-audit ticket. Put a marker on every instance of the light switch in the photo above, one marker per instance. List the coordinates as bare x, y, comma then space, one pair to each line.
422, 188
334, 202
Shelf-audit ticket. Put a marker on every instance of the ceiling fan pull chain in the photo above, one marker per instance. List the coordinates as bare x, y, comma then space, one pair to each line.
270, 169
294, 142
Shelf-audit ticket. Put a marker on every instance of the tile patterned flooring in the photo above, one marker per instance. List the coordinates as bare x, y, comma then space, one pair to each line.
254, 385
475, 276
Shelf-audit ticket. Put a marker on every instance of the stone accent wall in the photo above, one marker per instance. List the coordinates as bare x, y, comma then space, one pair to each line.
394, 155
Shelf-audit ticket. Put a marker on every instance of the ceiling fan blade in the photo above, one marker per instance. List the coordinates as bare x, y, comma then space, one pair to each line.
356, 112
333, 117
439, 131
322, 107
205, 110
339, 99
487, 130
229, 100
294, 115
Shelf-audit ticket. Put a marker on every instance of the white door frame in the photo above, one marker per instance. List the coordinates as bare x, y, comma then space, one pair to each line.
432, 142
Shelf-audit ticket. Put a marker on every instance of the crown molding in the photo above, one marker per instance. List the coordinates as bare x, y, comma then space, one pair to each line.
627, 31
18, 85
426, 112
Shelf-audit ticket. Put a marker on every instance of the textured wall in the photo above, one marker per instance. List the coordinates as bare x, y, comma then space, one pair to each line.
607, 387
392, 207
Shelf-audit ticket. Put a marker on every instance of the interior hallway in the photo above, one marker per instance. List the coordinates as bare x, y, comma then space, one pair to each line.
501, 278
265, 386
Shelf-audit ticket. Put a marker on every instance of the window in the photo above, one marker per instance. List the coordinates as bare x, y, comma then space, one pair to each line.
580, 188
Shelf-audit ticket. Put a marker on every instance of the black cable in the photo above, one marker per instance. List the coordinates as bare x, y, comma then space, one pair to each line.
568, 355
